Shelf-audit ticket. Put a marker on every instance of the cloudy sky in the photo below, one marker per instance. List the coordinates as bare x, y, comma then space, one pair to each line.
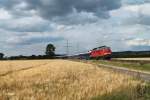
27, 26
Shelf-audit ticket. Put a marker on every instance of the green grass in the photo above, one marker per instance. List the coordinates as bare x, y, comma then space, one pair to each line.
140, 92
132, 65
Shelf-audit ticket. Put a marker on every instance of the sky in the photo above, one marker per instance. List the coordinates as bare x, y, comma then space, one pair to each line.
27, 26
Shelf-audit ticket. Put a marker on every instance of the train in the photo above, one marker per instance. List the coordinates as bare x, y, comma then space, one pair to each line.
103, 52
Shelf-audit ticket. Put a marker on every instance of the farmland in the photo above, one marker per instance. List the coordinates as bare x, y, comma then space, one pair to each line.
131, 64
66, 80
133, 59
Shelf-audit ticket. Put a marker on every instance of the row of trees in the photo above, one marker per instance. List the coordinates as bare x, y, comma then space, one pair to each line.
131, 54
49, 54
1, 56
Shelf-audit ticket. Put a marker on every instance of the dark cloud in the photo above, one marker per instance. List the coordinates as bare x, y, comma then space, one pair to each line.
8, 3
135, 2
76, 18
61, 9
54, 8
11, 7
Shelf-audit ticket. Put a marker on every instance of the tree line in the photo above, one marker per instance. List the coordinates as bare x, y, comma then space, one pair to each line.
49, 54
130, 54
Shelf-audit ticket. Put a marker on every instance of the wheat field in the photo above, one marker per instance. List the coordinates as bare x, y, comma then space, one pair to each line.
58, 80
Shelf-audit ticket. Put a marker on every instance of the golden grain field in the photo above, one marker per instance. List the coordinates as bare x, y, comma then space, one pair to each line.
57, 80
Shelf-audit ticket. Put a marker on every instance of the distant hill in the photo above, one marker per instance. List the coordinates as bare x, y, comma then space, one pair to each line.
131, 54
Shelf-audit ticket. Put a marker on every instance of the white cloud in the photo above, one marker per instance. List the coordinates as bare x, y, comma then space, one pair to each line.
138, 42
4, 14
142, 9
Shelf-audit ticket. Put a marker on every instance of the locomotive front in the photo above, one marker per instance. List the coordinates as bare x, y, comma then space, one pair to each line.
103, 52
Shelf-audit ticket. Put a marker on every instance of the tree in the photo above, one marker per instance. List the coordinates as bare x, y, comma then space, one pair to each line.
50, 50
1, 55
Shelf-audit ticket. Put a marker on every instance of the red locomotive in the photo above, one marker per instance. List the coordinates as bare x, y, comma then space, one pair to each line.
102, 52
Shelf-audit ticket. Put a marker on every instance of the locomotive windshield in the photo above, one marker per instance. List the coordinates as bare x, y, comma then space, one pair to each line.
102, 47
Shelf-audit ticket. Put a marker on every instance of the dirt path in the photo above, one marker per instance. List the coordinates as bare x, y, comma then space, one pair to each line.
134, 73
138, 74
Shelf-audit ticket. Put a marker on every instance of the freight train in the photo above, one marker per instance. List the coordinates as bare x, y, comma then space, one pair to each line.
102, 52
